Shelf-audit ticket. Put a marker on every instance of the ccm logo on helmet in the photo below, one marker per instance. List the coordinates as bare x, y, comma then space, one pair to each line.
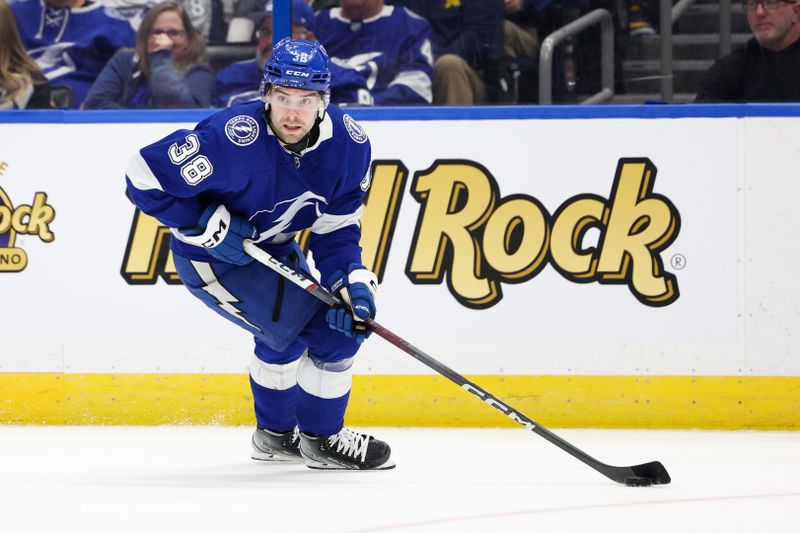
298, 73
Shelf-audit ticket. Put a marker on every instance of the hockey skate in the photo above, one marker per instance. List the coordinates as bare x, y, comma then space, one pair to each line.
276, 447
347, 450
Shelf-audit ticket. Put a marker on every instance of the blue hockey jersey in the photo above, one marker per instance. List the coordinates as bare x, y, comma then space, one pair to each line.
238, 83
390, 53
234, 158
72, 45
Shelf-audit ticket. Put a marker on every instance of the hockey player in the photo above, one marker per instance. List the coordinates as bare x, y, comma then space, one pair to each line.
386, 48
71, 40
264, 171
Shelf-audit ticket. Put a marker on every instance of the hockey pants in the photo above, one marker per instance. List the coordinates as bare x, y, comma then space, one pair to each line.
301, 371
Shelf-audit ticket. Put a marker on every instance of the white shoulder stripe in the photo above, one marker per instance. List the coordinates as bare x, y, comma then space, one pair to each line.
385, 12
417, 81
140, 174
330, 223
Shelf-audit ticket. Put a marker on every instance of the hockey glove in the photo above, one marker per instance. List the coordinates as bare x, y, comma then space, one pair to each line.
221, 234
357, 288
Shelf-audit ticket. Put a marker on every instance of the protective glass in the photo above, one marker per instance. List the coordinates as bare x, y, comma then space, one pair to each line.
768, 5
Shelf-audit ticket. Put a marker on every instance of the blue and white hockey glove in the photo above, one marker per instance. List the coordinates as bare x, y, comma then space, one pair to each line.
357, 288
221, 234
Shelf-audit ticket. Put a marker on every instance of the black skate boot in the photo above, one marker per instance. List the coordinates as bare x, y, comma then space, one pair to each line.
275, 446
347, 450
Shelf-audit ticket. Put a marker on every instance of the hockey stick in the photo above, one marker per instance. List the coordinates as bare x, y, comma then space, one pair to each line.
652, 473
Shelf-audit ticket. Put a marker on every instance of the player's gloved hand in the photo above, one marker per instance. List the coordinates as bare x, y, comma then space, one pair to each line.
221, 234
357, 288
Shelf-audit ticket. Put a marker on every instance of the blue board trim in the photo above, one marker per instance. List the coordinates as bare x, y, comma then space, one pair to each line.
428, 113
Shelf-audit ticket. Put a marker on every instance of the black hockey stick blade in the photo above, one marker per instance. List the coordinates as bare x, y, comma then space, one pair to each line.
654, 471
642, 475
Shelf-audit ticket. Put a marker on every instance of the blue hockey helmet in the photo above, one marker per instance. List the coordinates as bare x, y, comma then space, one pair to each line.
299, 64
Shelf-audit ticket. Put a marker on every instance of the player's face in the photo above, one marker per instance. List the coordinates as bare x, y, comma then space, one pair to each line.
293, 112
774, 28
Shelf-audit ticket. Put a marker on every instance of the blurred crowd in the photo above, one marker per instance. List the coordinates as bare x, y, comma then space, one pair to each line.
129, 54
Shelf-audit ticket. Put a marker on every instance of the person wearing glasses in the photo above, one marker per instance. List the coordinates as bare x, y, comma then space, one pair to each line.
166, 70
767, 69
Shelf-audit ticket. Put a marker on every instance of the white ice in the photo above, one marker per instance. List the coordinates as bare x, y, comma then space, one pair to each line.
201, 479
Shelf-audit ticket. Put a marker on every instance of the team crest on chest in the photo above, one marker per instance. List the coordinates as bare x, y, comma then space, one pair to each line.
242, 130
356, 132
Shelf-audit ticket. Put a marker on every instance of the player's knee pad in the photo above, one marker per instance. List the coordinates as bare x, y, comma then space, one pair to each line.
325, 379
274, 376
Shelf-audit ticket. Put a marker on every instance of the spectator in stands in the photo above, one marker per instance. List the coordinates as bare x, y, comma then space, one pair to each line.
767, 69
22, 82
467, 37
240, 81
71, 40
165, 70
522, 13
384, 53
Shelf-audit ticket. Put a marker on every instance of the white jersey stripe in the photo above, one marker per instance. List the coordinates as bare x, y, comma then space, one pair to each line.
330, 223
417, 81
140, 174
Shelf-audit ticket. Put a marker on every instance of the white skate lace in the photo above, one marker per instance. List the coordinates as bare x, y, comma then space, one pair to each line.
350, 443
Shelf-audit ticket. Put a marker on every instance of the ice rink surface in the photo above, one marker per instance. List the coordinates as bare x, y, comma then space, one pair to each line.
201, 479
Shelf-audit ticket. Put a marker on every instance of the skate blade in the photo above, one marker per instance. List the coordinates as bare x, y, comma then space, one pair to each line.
275, 458
316, 465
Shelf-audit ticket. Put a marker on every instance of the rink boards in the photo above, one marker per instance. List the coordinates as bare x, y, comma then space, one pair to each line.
595, 267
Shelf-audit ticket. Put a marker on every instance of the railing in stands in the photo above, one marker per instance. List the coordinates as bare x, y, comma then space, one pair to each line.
669, 16
598, 16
